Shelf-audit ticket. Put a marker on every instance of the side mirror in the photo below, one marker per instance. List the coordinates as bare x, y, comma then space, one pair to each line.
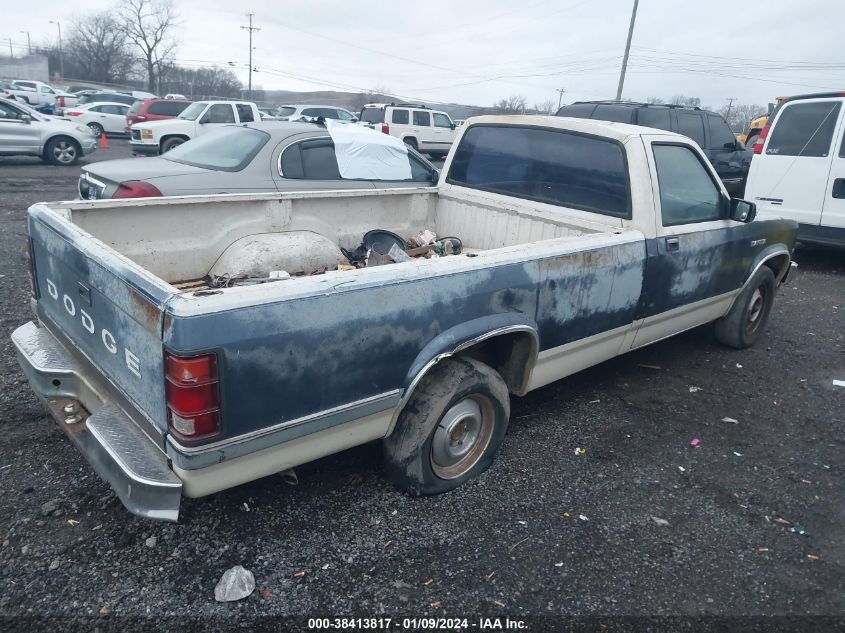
742, 210
26, 119
453, 126
354, 119
435, 175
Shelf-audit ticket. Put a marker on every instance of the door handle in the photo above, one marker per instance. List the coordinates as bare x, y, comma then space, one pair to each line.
838, 188
673, 244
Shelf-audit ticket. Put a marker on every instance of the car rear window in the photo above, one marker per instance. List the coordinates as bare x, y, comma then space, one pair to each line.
804, 129
578, 110
553, 166
167, 108
285, 111
372, 115
226, 149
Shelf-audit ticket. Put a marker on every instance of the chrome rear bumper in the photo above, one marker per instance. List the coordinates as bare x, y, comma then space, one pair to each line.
137, 470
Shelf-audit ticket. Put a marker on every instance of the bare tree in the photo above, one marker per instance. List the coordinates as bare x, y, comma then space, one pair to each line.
148, 25
740, 115
203, 83
547, 107
98, 49
655, 101
515, 104
690, 102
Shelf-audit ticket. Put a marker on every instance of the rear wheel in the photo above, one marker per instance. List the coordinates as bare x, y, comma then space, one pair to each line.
751, 140
97, 129
412, 142
450, 429
744, 324
62, 151
170, 143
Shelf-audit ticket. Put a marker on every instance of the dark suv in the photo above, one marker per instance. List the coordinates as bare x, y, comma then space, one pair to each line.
729, 157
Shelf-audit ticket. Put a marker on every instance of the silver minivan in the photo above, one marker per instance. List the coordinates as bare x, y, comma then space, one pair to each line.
23, 131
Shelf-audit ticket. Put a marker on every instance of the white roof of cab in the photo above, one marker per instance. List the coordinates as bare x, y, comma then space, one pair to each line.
616, 131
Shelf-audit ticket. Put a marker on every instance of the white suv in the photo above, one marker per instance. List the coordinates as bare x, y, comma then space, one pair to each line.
424, 129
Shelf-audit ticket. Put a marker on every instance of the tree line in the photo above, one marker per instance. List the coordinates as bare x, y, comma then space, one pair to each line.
134, 43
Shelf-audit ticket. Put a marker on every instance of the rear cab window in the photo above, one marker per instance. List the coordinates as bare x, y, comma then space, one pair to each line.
804, 129
285, 111
245, 113
556, 167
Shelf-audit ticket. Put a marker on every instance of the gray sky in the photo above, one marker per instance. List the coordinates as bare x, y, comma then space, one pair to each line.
477, 52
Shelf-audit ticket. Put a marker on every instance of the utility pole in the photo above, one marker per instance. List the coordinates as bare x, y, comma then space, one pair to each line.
627, 50
61, 53
560, 92
28, 42
11, 53
730, 101
250, 28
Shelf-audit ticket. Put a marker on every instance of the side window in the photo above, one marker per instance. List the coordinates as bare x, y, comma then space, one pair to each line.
577, 110
343, 115
219, 113
46, 90
400, 117
441, 120
687, 193
659, 118
244, 113
842, 148
292, 162
319, 161
618, 114
422, 118
691, 125
112, 109
720, 134
95, 109
420, 172
555, 167
8, 112
804, 129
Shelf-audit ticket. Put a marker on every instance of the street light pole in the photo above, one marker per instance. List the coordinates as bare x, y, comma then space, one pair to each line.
560, 97
61, 53
627, 50
28, 42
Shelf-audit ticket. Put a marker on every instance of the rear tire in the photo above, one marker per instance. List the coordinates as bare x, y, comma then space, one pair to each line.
170, 143
450, 429
63, 151
751, 140
744, 324
412, 142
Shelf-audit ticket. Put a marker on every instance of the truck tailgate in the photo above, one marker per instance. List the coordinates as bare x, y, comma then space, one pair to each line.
106, 307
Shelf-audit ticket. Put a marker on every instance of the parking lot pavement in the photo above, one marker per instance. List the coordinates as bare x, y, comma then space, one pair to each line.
749, 521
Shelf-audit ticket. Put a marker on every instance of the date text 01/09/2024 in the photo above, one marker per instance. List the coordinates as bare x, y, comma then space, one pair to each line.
425, 623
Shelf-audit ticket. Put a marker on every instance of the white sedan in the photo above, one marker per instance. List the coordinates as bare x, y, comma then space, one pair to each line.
101, 117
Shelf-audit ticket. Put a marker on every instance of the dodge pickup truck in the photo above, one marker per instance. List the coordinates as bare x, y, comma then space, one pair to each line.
188, 345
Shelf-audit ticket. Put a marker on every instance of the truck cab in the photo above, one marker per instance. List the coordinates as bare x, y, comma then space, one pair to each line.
158, 137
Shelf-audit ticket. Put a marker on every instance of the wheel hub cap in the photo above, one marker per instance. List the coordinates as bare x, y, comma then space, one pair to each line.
461, 437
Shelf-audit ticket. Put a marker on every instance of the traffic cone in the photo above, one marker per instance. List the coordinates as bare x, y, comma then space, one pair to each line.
104, 142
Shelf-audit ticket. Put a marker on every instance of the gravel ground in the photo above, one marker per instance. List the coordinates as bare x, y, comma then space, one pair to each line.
544, 531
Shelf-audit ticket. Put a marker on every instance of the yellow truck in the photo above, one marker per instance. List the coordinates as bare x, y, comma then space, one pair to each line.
756, 126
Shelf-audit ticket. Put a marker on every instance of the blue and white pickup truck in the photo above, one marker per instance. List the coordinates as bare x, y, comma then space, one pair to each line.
188, 345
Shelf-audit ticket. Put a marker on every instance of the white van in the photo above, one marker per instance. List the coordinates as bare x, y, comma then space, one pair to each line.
798, 170
424, 129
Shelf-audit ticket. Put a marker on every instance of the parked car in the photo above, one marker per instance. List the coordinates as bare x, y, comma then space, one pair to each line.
799, 168
102, 118
190, 344
292, 112
33, 92
173, 95
23, 131
157, 137
276, 156
426, 130
108, 97
154, 110
709, 129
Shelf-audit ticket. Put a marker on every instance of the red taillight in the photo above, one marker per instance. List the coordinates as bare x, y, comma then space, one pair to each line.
761, 140
385, 128
72, 113
30, 268
192, 386
61, 102
136, 189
